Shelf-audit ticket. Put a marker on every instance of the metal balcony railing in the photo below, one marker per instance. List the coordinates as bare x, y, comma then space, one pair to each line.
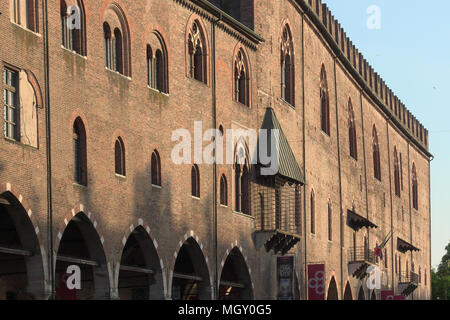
408, 277
361, 254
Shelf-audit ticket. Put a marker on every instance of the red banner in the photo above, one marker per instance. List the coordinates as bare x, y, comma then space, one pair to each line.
62, 292
399, 297
387, 295
316, 282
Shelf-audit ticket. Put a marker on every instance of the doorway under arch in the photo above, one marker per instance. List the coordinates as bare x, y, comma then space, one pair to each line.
140, 275
348, 292
332, 290
235, 281
22, 275
361, 295
80, 245
191, 276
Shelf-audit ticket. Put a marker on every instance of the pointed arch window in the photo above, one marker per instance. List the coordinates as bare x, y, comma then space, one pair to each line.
324, 102
352, 132
376, 154
223, 190
108, 46
117, 41
241, 79
396, 173
73, 29
195, 181
242, 183
313, 213
156, 169
80, 152
196, 47
287, 67
157, 72
119, 151
330, 223
415, 191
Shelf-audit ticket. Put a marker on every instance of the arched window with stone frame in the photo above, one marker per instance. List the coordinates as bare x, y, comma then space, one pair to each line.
415, 191
197, 52
241, 78
25, 13
73, 26
353, 144
287, 66
157, 63
242, 179
376, 154
324, 102
117, 40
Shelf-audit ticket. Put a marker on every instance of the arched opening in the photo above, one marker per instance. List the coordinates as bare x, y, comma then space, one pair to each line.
352, 132
119, 152
235, 282
22, 275
73, 26
376, 154
332, 290
361, 295
242, 180
196, 49
373, 295
156, 169
80, 245
140, 276
415, 190
157, 63
191, 276
348, 292
195, 181
287, 67
396, 173
324, 102
118, 51
80, 152
108, 45
223, 190
241, 78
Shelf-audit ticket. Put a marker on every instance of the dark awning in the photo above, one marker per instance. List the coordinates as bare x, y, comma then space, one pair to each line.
280, 241
404, 246
288, 166
356, 222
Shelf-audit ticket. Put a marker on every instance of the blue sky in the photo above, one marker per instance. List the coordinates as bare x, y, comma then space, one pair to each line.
411, 51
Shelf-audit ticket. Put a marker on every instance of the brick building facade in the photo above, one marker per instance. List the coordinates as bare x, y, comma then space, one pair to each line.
87, 178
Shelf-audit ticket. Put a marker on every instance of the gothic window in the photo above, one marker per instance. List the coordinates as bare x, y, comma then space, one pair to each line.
195, 181
73, 28
241, 79
313, 213
376, 154
396, 173
156, 169
287, 67
108, 46
324, 102
242, 183
196, 48
352, 132
117, 41
157, 72
119, 151
415, 192
80, 152
223, 191
330, 223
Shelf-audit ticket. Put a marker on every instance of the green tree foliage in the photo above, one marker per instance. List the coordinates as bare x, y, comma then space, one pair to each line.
440, 279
